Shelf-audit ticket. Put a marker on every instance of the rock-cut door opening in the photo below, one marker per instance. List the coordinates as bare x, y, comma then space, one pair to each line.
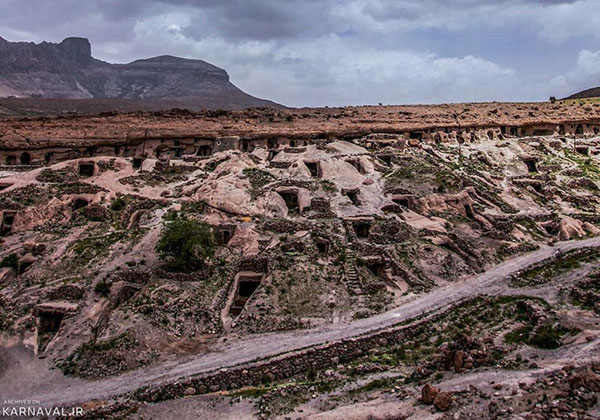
314, 168
531, 165
48, 325
86, 169
291, 200
246, 286
8, 218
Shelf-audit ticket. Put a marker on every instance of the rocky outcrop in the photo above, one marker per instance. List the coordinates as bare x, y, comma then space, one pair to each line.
68, 70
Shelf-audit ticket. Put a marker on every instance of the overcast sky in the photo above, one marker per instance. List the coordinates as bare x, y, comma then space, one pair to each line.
343, 52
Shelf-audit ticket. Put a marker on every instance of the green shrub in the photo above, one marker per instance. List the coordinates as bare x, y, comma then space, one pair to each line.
185, 244
548, 336
102, 288
118, 204
10, 261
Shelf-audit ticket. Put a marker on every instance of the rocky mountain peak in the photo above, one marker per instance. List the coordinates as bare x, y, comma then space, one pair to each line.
76, 49
68, 70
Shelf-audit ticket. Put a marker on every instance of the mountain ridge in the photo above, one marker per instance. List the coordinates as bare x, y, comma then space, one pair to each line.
67, 70
587, 93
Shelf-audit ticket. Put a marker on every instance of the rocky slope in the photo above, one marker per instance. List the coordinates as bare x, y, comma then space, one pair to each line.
68, 70
588, 93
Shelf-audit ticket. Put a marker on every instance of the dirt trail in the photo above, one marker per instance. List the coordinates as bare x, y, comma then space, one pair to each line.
268, 345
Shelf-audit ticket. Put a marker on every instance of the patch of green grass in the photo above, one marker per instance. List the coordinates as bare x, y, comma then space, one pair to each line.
258, 180
519, 335
545, 272
89, 248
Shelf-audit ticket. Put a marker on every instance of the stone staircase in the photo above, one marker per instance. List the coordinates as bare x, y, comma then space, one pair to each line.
352, 280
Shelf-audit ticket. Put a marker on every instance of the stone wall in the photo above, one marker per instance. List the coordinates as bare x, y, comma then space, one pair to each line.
285, 366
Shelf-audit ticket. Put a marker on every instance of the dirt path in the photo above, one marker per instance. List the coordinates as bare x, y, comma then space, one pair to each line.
268, 345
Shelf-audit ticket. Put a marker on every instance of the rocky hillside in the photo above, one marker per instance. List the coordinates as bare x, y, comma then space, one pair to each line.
68, 70
588, 93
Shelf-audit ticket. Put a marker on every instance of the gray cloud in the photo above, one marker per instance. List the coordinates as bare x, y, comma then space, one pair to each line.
335, 52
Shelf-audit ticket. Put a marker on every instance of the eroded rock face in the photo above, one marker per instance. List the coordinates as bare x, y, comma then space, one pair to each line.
68, 70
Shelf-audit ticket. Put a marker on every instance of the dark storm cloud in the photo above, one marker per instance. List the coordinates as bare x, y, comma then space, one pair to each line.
318, 52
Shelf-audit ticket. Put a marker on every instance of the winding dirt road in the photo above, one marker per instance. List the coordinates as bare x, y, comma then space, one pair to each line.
69, 391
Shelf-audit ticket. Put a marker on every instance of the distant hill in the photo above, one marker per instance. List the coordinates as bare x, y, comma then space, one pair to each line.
67, 70
588, 93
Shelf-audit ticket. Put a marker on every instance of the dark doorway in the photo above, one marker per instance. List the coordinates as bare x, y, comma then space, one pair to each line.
469, 211
25, 158
224, 233
579, 130
353, 196
362, 229
48, 325
204, 150
137, 163
48, 157
86, 169
8, 218
416, 135
291, 200
91, 151
79, 203
247, 285
314, 168
531, 165
401, 201
377, 268
322, 246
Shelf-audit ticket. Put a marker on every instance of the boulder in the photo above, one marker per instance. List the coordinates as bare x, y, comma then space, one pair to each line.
429, 393
442, 401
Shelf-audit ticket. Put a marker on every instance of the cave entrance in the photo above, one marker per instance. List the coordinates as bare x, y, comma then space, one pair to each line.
551, 229
531, 165
291, 200
25, 158
79, 203
245, 145
514, 131
362, 229
48, 157
224, 233
8, 218
86, 169
272, 144
353, 196
415, 135
322, 246
11, 160
204, 150
246, 286
402, 201
469, 211
377, 268
490, 135
579, 130
314, 168
582, 150
386, 158
137, 163
91, 151
48, 324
